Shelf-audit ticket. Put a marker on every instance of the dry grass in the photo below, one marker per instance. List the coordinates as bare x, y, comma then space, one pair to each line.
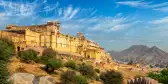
16, 66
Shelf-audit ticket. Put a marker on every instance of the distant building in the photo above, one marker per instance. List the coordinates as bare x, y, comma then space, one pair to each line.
49, 36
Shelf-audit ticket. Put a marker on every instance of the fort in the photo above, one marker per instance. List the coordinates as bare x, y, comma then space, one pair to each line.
49, 36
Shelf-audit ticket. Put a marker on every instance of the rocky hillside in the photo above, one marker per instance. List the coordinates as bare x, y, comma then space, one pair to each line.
142, 54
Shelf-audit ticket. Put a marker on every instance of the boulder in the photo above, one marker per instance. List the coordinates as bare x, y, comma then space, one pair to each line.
22, 78
26, 78
47, 80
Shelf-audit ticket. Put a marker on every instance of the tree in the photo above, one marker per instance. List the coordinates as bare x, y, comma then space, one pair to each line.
111, 77
130, 62
70, 77
53, 64
49, 52
87, 71
4, 74
6, 51
71, 64
79, 79
28, 56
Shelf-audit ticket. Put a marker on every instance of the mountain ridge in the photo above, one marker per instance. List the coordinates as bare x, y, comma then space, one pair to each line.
142, 54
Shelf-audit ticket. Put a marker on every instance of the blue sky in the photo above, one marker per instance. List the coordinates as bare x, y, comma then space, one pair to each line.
114, 24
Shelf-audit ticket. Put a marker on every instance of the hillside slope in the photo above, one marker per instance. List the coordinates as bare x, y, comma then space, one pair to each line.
142, 54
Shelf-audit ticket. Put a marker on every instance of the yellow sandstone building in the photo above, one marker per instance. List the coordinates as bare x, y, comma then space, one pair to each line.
49, 36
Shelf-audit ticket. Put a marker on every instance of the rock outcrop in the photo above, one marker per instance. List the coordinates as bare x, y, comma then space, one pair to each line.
26, 78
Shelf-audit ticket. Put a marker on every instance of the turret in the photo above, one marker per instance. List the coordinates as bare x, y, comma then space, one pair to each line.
53, 26
11, 27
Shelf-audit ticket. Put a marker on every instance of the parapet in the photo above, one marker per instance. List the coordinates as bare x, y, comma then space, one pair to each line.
53, 22
10, 26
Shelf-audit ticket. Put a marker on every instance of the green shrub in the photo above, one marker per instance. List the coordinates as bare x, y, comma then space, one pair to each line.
111, 77
161, 77
45, 59
87, 71
6, 50
4, 74
79, 79
48, 52
70, 77
71, 64
53, 64
19, 53
29, 56
130, 62
97, 70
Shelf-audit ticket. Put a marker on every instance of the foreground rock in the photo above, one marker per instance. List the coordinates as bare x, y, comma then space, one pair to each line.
26, 78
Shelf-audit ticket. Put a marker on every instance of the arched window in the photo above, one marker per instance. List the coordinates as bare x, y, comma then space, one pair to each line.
88, 56
18, 48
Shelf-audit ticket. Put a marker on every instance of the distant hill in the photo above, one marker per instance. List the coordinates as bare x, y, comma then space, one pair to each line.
142, 54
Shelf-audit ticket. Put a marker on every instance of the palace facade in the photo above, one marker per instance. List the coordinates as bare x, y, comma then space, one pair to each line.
49, 36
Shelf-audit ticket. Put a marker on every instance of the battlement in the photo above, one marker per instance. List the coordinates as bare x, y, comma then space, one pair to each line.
50, 26
53, 23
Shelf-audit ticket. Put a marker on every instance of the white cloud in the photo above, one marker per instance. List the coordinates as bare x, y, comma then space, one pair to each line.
67, 11
159, 5
74, 12
17, 9
44, 1
78, 19
163, 9
132, 3
59, 11
70, 12
142, 4
159, 26
2, 15
109, 24
160, 21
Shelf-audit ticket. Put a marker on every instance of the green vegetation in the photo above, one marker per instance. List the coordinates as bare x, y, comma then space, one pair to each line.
48, 58
71, 64
79, 79
161, 77
48, 52
111, 77
97, 70
87, 71
53, 64
70, 77
6, 51
4, 74
130, 62
150, 66
28, 56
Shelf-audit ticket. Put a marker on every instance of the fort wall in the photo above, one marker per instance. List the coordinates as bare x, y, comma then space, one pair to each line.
49, 36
